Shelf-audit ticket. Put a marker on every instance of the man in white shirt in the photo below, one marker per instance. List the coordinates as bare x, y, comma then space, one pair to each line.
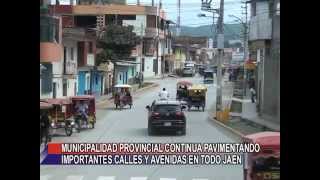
82, 108
253, 95
164, 95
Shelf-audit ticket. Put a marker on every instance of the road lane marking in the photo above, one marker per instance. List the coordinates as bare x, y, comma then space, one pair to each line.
74, 178
106, 178
139, 178
167, 178
199, 179
45, 177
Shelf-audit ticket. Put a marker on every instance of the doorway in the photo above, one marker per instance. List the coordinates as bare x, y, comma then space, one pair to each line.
75, 89
102, 86
155, 66
54, 90
64, 87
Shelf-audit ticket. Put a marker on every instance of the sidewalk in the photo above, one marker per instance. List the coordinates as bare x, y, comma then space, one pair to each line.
157, 77
103, 98
249, 113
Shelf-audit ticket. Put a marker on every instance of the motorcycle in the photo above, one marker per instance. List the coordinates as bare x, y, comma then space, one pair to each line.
80, 121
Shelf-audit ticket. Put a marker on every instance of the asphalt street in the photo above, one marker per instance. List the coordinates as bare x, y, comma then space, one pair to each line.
130, 125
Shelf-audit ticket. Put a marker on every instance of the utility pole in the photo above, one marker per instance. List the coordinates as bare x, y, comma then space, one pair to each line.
141, 54
178, 18
157, 40
206, 6
245, 50
220, 45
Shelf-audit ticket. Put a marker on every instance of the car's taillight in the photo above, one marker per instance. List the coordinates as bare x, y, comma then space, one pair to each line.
155, 114
179, 114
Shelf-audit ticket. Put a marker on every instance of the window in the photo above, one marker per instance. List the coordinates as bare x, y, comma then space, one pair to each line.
56, 32
167, 42
278, 9
120, 77
96, 80
132, 72
71, 54
151, 21
88, 83
90, 47
126, 17
64, 60
253, 9
271, 9
148, 47
166, 108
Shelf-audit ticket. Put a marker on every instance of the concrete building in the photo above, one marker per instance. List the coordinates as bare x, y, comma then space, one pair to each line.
187, 48
149, 22
180, 57
51, 54
70, 56
108, 69
264, 48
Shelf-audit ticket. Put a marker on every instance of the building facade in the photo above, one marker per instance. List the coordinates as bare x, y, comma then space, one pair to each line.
264, 49
51, 53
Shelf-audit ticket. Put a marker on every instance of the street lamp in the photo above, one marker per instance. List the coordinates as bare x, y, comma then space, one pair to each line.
203, 15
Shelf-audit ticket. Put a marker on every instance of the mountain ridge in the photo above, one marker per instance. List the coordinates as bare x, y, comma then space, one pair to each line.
231, 31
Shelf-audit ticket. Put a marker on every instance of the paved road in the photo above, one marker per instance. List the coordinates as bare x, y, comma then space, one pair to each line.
130, 125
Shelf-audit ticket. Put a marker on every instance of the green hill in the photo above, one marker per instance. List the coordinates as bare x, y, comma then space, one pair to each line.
231, 31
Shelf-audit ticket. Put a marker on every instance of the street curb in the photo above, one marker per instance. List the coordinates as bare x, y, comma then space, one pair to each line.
233, 131
264, 126
148, 87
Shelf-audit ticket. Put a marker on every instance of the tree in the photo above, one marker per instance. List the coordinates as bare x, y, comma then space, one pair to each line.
117, 43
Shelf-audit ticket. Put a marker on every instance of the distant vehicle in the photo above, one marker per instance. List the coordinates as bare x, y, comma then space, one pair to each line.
201, 70
208, 77
125, 99
182, 90
166, 115
197, 96
188, 71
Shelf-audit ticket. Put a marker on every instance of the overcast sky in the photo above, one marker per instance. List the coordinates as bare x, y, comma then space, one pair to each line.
191, 8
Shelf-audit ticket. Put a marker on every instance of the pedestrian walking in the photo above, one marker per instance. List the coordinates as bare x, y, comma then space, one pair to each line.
253, 94
251, 83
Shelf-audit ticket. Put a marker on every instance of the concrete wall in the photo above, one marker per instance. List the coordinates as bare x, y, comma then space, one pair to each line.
272, 105
269, 73
140, 22
260, 25
148, 67
59, 86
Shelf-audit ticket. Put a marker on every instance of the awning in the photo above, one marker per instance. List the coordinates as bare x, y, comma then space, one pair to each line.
126, 63
250, 65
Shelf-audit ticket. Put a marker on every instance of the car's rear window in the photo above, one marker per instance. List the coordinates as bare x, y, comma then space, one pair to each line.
166, 108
